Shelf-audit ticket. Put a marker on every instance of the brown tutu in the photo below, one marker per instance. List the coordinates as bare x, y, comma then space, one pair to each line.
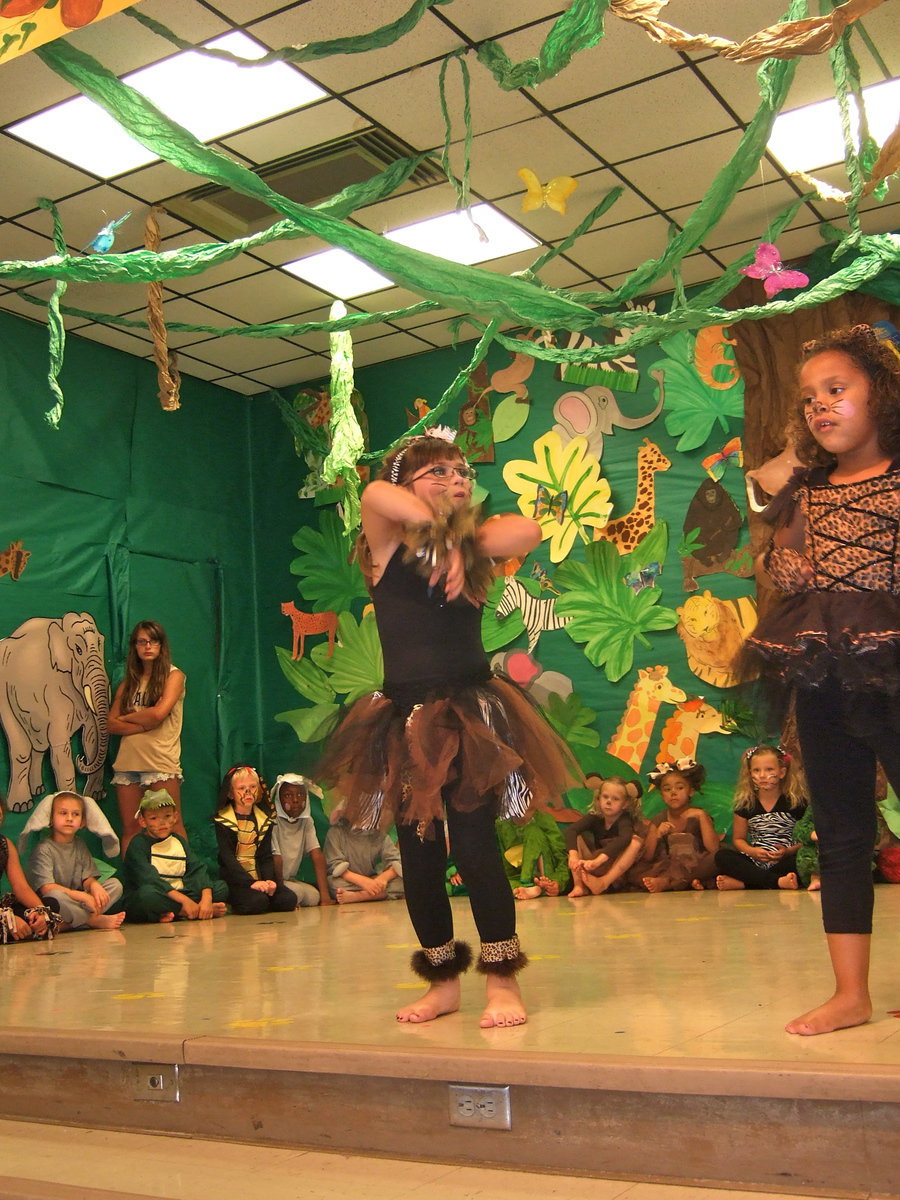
483, 743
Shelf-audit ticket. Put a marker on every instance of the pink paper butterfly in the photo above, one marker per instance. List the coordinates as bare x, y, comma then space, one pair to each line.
768, 268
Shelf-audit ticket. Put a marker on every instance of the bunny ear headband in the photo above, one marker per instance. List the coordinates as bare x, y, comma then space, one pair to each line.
683, 765
779, 750
443, 432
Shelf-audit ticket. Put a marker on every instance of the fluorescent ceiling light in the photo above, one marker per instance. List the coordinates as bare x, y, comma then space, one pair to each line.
810, 138
208, 96
456, 236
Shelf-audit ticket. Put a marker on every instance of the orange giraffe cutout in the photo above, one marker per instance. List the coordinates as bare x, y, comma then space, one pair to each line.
625, 532
303, 623
13, 560
632, 737
682, 731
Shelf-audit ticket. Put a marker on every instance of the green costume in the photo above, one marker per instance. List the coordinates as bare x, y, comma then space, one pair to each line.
808, 854
153, 867
535, 848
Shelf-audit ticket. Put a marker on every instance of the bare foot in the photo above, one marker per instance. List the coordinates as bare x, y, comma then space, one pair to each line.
105, 921
698, 885
726, 884
654, 883
578, 890
345, 896
527, 893
789, 882
548, 886
837, 1013
166, 918
504, 1003
219, 908
815, 884
440, 999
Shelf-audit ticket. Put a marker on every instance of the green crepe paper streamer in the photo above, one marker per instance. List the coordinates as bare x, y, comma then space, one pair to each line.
272, 330
605, 204
385, 35
775, 78
307, 436
886, 285
461, 186
55, 324
579, 28
146, 266
431, 417
346, 436
454, 286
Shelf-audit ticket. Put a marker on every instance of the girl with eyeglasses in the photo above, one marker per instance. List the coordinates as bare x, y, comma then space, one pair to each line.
443, 735
146, 714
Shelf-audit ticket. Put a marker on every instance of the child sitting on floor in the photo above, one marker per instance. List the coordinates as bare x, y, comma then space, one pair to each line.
61, 867
362, 864
604, 844
163, 877
767, 806
682, 841
534, 855
22, 915
295, 838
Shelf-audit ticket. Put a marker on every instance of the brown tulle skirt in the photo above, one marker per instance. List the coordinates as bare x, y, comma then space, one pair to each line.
482, 743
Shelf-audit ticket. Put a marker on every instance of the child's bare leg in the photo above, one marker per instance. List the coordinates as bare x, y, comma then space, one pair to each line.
789, 882
440, 967
579, 889
105, 921
815, 884
500, 962
348, 896
527, 893
726, 883
596, 884
851, 1004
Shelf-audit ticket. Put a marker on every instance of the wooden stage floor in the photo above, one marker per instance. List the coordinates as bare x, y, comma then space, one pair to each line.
654, 1021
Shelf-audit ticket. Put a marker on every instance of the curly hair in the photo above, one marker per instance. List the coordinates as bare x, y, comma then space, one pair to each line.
693, 775
882, 366
399, 467
792, 786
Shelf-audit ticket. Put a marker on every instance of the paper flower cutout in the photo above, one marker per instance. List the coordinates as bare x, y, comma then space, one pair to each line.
768, 268
558, 469
552, 195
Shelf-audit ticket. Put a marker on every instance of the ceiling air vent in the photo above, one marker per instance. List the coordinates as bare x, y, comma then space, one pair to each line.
309, 177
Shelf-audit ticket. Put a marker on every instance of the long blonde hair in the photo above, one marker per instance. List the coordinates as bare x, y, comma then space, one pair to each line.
792, 786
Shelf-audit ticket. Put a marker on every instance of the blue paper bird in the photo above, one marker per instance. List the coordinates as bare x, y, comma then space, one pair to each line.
102, 242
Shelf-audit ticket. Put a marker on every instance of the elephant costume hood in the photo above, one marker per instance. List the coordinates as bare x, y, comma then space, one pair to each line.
95, 821
300, 781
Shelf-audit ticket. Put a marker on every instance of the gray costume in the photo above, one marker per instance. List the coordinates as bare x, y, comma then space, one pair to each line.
365, 852
68, 866
293, 839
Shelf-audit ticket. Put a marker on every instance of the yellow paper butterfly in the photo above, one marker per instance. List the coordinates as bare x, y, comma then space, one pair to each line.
553, 194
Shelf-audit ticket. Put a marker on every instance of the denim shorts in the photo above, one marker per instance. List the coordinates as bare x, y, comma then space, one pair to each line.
142, 778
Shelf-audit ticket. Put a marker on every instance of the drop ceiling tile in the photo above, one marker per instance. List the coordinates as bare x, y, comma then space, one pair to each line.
388, 299
683, 175
122, 44
262, 297
30, 87
245, 354
394, 345
399, 211
85, 214
659, 113
318, 20
424, 320
16, 302
310, 126
18, 244
552, 227
698, 268
411, 106
189, 312
188, 365
119, 339
310, 369
538, 144
609, 252
242, 266
159, 181
237, 383
289, 373
749, 214
479, 21
118, 298
29, 174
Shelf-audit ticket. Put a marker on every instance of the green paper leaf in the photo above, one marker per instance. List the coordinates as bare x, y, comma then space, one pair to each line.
311, 724
328, 581
693, 408
308, 679
496, 634
509, 417
572, 720
356, 666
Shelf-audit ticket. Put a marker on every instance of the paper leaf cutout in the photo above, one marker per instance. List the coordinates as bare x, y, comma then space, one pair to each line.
356, 667
303, 675
327, 580
557, 468
496, 634
552, 195
509, 417
604, 613
572, 720
692, 407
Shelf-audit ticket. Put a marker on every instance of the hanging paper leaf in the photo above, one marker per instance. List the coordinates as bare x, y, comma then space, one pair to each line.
558, 469
604, 613
692, 407
356, 667
328, 580
572, 720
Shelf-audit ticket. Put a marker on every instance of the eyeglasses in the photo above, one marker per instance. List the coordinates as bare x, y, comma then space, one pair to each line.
146, 641
467, 474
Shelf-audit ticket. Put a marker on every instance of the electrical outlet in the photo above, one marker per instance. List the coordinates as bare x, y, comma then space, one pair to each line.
480, 1107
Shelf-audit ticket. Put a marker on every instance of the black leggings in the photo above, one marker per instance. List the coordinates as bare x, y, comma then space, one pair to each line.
840, 756
738, 865
476, 853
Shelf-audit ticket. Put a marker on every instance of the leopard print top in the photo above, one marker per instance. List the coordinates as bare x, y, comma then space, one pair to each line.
853, 534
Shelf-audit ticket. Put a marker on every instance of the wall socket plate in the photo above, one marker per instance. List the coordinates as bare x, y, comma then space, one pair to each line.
155, 1081
480, 1107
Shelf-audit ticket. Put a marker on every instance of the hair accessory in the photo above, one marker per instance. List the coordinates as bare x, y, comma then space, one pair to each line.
395, 465
444, 432
765, 748
666, 768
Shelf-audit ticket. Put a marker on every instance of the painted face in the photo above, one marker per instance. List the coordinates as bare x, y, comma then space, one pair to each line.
766, 771
147, 646
68, 816
244, 790
293, 798
835, 394
160, 821
447, 480
612, 800
676, 792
